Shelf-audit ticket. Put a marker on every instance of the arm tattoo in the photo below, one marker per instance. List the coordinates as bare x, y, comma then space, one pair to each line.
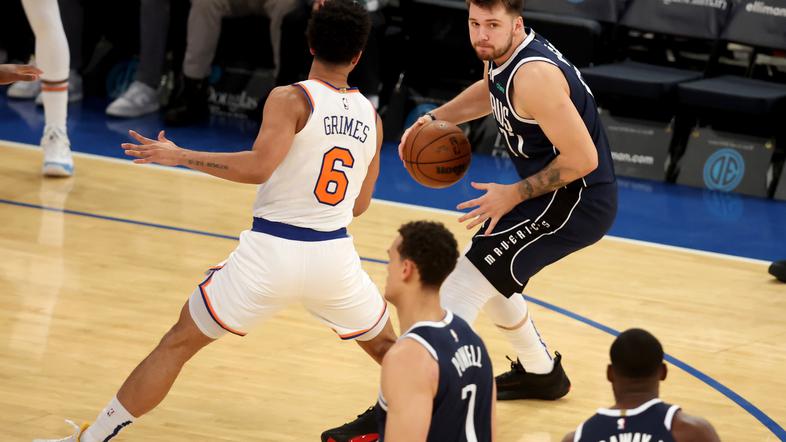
545, 181
198, 163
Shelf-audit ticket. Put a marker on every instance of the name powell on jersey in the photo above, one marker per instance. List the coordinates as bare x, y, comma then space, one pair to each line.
465, 357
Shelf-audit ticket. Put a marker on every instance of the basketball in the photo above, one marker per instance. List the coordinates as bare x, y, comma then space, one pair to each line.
438, 154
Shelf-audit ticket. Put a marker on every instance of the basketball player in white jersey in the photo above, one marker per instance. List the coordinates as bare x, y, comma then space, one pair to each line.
51, 53
316, 159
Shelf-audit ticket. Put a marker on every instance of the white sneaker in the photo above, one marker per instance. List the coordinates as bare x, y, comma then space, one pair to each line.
74, 89
139, 99
57, 152
24, 90
72, 438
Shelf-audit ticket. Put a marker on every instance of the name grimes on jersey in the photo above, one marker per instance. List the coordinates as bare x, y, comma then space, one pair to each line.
465, 357
342, 125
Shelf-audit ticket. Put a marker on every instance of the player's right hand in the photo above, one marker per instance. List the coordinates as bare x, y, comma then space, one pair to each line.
415, 126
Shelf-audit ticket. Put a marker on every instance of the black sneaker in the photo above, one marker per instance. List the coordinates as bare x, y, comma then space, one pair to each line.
518, 384
778, 270
362, 429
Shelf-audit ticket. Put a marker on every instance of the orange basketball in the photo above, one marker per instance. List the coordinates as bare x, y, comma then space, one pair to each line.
438, 154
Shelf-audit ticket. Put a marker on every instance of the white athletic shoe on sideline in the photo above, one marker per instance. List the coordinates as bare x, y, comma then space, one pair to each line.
74, 437
139, 99
57, 153
24, 90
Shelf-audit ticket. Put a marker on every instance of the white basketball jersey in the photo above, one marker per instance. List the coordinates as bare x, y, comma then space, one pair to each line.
316, 184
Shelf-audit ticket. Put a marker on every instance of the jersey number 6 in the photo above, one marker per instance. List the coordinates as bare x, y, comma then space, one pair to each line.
332, 183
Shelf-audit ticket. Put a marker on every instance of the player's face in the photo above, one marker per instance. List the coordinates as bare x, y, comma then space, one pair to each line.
491, 31
395, 270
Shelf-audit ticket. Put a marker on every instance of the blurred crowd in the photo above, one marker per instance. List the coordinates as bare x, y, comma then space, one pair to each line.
166, 50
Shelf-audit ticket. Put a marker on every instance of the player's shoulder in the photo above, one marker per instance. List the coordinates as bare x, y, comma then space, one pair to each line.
688, 428
292, 93
408, 357
408, 348
539, 70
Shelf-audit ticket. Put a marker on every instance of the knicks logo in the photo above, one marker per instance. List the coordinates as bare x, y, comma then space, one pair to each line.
724, 170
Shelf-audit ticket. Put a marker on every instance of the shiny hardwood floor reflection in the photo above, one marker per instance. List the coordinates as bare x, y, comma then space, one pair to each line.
84, 296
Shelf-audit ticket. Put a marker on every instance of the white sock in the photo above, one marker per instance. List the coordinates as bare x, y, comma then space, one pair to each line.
52, 57
512, 317
113, 418
55, 96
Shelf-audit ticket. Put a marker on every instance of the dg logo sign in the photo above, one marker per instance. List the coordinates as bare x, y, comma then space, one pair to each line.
724, 170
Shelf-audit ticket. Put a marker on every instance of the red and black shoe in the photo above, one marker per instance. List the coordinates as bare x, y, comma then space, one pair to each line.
363, 429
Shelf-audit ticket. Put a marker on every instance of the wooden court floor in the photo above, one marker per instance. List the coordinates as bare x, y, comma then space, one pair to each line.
84, 295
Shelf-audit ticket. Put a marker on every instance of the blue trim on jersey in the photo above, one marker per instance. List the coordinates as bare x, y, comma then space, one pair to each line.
337, 88
295, 233
308, 97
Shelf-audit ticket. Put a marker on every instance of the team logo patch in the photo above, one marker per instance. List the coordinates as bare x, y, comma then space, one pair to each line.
724, 170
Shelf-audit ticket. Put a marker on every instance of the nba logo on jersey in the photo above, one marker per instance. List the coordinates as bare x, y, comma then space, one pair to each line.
621, 423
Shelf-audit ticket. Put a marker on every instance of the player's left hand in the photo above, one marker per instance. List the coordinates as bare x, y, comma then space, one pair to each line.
161, 151
498, 200
10, 73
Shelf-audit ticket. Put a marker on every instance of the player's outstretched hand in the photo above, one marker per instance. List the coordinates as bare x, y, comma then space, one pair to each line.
160, 151
10, 73
420, 122
498, 200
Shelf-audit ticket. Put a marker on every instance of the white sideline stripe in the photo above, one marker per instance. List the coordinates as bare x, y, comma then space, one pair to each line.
17, 145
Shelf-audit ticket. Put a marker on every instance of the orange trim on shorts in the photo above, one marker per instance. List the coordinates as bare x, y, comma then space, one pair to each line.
209, 306
354, 335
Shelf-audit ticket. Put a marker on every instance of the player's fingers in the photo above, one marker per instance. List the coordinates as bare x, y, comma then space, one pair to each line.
144, 140
401, 144
136, 153
468, 204
30, 69
492, 223
480, 186
162, 137
474, 214
132, 146
29, 77
477, 221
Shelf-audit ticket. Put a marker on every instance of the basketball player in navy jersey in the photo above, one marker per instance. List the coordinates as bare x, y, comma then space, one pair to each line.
437, 381
566, 198
638, 414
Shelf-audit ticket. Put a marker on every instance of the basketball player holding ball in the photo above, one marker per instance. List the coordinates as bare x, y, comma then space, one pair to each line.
566, 199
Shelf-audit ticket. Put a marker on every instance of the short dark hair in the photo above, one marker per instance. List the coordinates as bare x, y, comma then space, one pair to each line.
511, 6
431, 247
636, 354
338, 31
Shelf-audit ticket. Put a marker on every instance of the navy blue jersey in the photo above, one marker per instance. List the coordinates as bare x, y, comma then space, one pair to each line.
650, 422
462, 407
528, 145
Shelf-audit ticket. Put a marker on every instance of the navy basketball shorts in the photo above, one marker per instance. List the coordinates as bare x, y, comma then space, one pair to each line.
541, 231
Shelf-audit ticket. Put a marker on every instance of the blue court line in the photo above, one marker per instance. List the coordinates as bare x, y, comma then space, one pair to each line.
754, 411
140, 223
